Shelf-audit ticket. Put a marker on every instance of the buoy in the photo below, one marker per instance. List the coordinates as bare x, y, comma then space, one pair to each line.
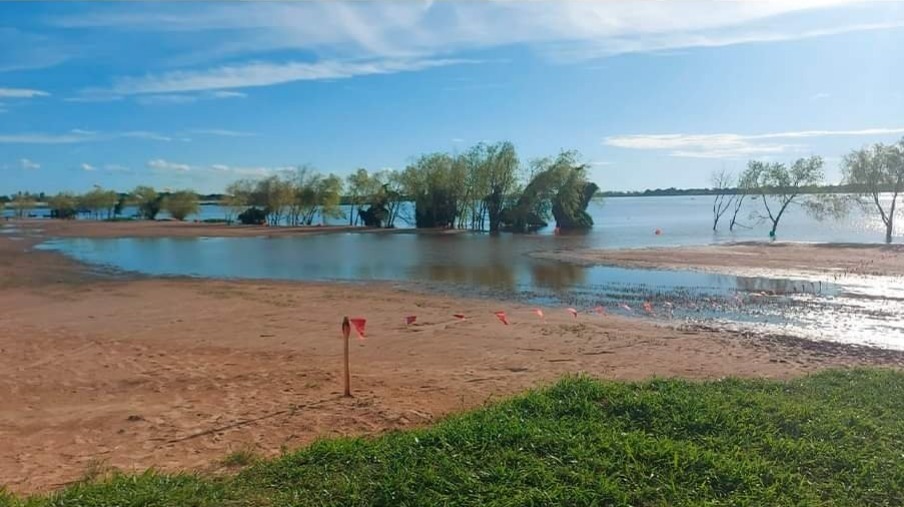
658, 232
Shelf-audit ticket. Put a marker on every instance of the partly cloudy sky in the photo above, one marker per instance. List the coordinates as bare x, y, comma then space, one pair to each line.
653, 94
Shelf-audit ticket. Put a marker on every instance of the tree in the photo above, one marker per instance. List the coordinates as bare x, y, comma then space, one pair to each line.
64, 206
745, 185
876, 170
148, 201
22, 203
724, 198
99, 202
360, 191
238, 198
781, 185
181, 204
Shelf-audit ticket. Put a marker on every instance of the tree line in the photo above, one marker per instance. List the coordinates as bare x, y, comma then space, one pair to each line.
103, 204
870, 175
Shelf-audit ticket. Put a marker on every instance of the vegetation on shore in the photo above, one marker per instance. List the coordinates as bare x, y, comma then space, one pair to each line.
833, 438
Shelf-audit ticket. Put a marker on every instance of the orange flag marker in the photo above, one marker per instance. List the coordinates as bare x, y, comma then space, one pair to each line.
502, 318
539, 312
458, 315
411, 319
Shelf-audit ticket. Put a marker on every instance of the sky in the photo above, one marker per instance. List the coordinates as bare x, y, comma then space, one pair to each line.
652, 94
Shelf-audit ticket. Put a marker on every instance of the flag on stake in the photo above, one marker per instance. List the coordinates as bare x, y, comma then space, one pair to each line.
502, 318
573, 312
625, 307
648, 307
358, 324
409, 320
539, 312
600, 310
458, 315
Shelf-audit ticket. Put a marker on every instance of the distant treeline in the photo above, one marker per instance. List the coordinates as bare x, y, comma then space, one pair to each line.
672, 191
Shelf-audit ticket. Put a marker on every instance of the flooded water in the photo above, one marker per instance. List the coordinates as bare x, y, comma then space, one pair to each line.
856, 310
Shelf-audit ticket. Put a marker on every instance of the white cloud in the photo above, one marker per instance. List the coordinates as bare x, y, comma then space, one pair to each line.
263, 74
116, 168
224, 94
733, 145
222, 133
78, 136
88, 167
163, 165
819, 96
27, 164
149, 100
21, 93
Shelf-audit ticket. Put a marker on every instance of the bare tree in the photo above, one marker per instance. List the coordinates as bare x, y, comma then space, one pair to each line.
722, 181
876, 170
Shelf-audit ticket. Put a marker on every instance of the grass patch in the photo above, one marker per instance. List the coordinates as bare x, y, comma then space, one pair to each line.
836, 438
239, 458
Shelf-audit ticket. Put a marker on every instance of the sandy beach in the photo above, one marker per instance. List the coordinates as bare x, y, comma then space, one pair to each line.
103, 371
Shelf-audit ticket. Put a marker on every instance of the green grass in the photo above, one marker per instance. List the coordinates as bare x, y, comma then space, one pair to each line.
836, 438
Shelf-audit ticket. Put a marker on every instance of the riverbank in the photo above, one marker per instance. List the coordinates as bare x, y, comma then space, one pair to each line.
753, 258
116, 371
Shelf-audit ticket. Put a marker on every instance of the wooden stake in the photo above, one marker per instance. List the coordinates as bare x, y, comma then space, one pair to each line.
346, 330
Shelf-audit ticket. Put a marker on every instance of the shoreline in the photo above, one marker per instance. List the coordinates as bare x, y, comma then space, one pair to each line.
176, 373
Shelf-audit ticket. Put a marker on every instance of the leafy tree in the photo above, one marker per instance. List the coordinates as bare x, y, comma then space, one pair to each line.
361, 191
148, 201
99, 203
238, 198
63, 205
876, 170
781, 185
21, 203
181, 204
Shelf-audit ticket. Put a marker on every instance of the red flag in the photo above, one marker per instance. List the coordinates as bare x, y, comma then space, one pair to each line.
502, 318
358, 324
648, 307
625, 307
458, 315
409, 320
600, 310
539, 312
573, 312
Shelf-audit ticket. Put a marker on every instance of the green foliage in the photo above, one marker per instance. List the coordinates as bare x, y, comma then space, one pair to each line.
99, 203
63, 205
181, 204
437, 185
21, 203
148, 201
829, 439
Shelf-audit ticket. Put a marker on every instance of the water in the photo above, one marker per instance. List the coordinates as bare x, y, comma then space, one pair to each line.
501, 268
630, 222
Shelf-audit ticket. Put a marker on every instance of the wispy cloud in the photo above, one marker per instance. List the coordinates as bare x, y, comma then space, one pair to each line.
734, 145
175, 99
21, 93
221, 132
163, 165
29, 165
262, 74
88, 167
819, 96
79, 136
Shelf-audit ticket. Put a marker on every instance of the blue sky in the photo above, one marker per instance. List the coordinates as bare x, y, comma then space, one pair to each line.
653, 94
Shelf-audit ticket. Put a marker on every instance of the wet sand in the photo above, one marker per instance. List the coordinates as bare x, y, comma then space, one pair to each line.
753, 258
99, 370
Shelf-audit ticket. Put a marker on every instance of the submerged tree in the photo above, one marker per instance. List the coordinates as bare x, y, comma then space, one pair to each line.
63, 205
181, 204
781, 185
148, 201
876, 170
99, 202
722, 181
21, 203
436, 183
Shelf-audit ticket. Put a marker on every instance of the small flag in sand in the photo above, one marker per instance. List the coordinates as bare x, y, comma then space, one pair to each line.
502, 318
573, 312
458, 315
539, 312
411, 319
648, 307
625, 307
600, 310
358, 324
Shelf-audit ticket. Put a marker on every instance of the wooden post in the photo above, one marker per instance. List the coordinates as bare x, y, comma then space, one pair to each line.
346, 330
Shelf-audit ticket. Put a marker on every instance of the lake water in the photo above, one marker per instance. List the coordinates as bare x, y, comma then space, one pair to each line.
502, 268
